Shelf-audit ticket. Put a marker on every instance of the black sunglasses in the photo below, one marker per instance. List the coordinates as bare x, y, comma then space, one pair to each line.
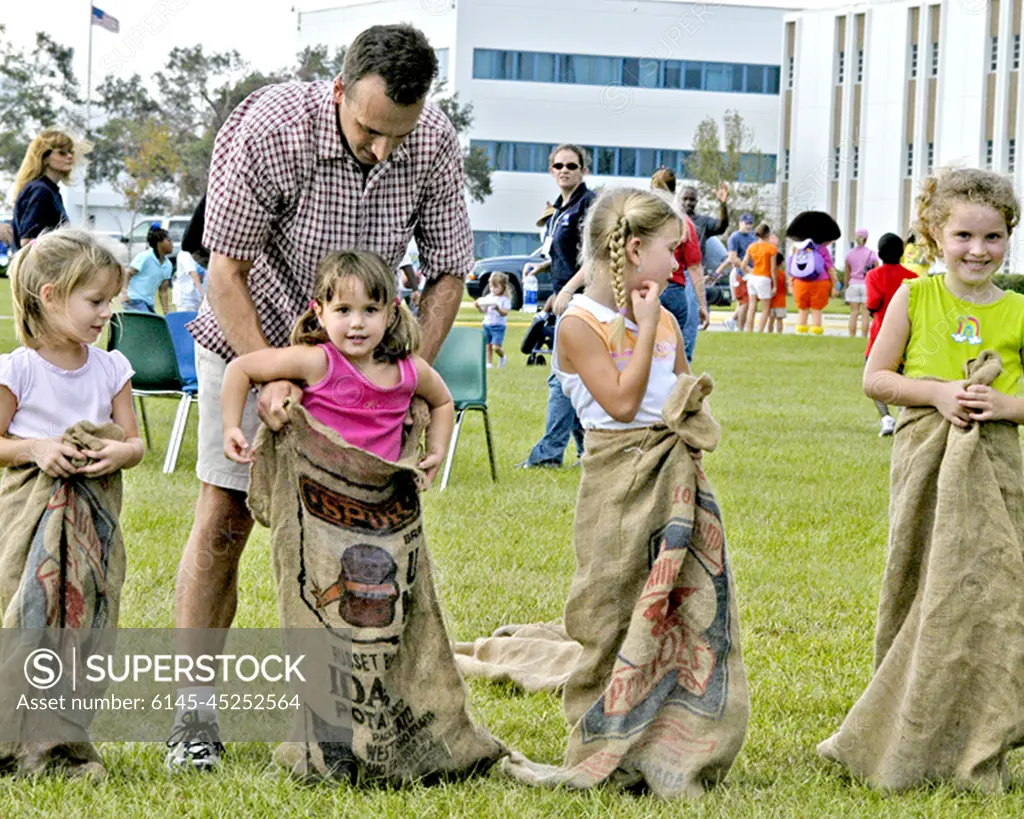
569, 166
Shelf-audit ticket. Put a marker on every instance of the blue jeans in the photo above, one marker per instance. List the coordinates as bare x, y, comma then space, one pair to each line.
676, 299
138, 305
692, 322
561, 423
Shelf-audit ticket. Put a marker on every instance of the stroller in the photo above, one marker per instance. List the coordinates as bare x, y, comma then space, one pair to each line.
539, 339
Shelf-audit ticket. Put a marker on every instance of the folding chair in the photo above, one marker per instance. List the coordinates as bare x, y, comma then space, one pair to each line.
462, 363
148, 342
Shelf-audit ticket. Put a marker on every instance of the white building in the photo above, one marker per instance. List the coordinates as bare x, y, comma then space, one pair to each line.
628, 79
879, 94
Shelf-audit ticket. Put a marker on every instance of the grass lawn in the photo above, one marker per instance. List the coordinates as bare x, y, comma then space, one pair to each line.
803, 482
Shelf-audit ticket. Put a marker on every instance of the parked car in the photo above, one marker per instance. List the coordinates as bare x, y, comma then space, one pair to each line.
512, 266
174, 225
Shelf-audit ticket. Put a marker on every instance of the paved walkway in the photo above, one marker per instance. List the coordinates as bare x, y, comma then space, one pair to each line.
834, 324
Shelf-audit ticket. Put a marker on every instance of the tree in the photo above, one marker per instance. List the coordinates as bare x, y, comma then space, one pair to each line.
738, 160
150, 167
38, 90
475, 165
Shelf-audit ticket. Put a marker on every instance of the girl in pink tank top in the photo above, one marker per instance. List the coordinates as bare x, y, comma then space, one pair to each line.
354, 352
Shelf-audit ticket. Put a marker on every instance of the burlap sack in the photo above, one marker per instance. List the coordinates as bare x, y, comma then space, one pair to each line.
947, 698
62, 565
349, 555
659, 695
535, 657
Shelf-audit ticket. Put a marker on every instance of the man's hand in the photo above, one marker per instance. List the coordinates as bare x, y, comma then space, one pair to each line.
704, 317
271, 405
723, 192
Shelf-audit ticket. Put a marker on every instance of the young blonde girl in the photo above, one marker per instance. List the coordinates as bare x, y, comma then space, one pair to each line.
62, 476
61, 287
354, 352
619, 356
495, 308
950, 634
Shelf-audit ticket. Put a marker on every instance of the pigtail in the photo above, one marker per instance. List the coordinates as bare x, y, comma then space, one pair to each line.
617, 255
308, 331
402, 336
29, 319
926, 219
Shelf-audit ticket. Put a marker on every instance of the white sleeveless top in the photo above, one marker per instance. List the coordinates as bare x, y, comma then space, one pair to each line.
663, 362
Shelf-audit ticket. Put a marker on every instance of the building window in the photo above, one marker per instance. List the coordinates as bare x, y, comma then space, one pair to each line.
913, 61
790, 71
935, 59
532, 157
442, 64
988, 154
841, 68
993, 54
1011, 155
641, 72
1016, 52
909, 169
487, 243
836, 152
856, 161
860, 65
931, 156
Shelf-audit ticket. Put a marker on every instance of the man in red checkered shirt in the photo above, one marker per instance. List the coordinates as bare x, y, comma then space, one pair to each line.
299, 170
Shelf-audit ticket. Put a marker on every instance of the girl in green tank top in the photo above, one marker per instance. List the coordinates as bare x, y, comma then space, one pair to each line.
935, 325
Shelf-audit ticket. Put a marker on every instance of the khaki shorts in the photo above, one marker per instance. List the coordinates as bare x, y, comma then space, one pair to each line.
211, 465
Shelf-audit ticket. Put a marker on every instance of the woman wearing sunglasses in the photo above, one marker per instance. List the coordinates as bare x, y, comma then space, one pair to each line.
38, 205
568, 165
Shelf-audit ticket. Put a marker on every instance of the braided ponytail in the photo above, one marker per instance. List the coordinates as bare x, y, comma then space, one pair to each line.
617, 255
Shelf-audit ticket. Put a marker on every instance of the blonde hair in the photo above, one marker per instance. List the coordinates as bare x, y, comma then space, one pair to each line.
618, 215
499, 278
402, 336
67, 259
33, 165
953, 185
664, 179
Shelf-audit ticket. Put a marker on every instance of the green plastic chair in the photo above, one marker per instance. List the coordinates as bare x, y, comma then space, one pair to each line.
145, 340
462, 363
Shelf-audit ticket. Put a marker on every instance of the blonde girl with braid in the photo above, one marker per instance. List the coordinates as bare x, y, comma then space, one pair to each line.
617, 355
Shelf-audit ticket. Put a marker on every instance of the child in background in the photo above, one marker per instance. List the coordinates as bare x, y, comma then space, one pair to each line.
778, 304
187, 291
495, 308
944, 702
354, 349
150, 274
760, 261
913, 257
881, 285
859, 261
740, 296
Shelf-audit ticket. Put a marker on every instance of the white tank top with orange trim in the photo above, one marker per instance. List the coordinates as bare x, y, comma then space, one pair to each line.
660, 383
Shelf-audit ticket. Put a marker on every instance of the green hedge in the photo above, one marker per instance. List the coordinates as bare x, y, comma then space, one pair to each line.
1009, 281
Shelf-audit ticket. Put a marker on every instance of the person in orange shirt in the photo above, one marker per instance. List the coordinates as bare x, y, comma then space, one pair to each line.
760, 261
778, 314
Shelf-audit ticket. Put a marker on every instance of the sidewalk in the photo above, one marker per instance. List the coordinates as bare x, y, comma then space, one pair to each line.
834, 325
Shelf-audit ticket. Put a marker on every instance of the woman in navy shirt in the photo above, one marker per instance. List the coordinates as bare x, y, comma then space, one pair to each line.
38, 205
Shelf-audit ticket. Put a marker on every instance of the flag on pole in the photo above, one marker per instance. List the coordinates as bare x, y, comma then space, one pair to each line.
104, 20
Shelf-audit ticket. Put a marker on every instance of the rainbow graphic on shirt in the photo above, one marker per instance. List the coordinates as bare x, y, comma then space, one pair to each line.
968, 329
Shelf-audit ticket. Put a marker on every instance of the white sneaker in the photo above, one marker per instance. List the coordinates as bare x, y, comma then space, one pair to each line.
730, 325
503, 361
888, 426
490, 366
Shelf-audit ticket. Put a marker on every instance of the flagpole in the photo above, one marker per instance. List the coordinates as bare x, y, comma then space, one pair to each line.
88, 122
